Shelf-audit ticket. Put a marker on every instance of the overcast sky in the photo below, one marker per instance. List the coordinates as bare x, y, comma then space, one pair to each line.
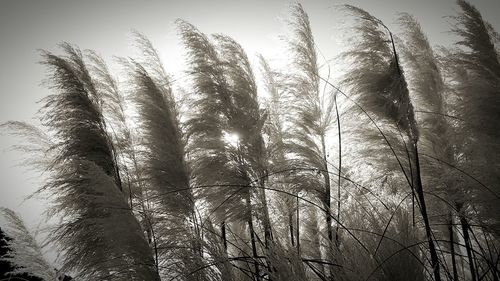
104, 26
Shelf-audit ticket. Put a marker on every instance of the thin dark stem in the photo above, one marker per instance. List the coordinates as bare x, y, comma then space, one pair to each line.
452, 248
423, 210
252, 237
298, 228
223, 233
468, 246
327, 204
339, 168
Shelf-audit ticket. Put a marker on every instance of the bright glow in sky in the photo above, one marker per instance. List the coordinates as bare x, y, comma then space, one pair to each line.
231, 139
28, 25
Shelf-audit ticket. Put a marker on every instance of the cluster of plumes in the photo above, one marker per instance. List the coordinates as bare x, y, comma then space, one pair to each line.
239, 187
473, 71
85, 178
24, 249
376, 74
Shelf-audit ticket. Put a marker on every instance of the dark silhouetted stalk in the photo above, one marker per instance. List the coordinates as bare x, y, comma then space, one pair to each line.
298, 227
252, 238
423, 210
468, 246
452, 247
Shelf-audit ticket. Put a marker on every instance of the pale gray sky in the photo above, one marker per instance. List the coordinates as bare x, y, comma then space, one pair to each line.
104, 26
